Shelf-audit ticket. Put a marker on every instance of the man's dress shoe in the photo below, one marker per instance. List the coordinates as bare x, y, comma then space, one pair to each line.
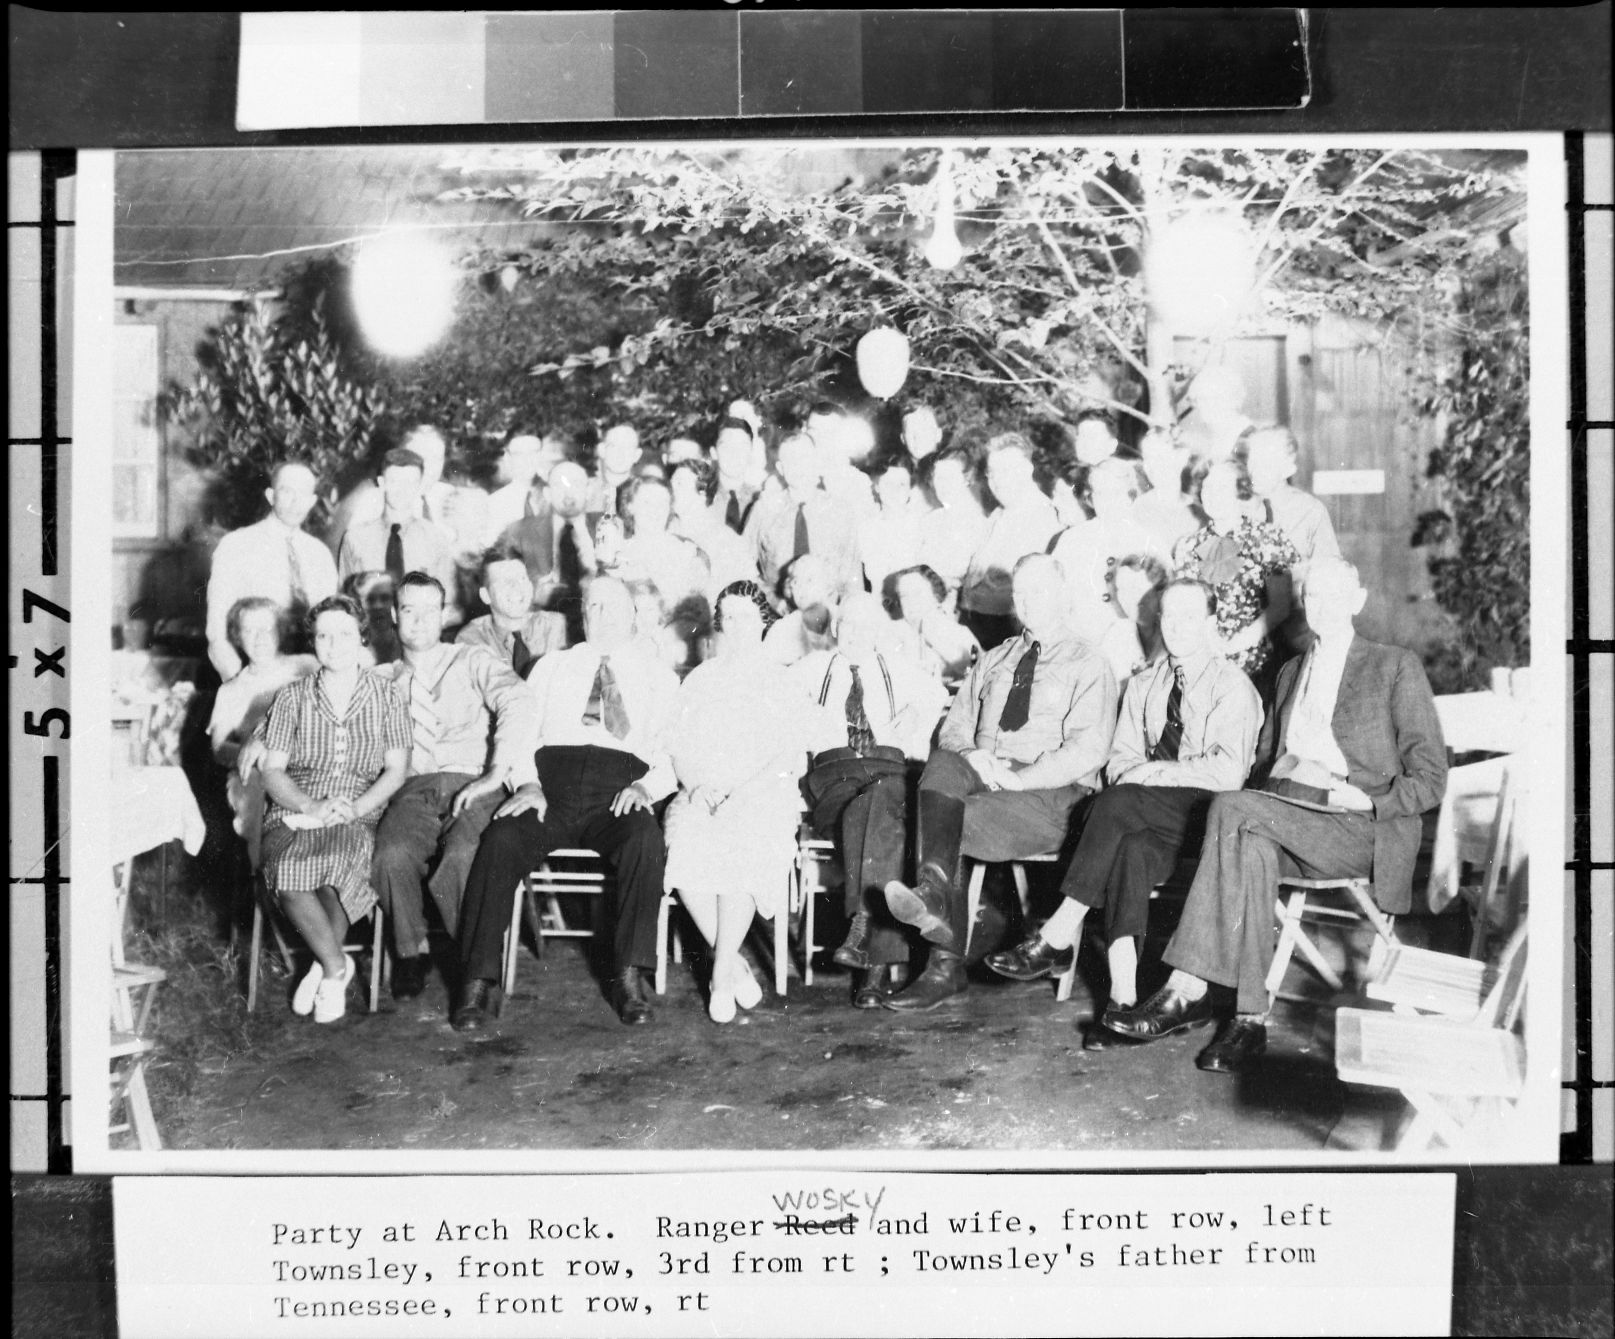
878, 985
409, 976
628, 996
1030, 960
1237, 1047
942, 980
1164, 1013
479, 1001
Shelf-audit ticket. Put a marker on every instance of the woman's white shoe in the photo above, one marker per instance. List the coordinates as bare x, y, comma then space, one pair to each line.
721, 1001
748, 994
303, 996
331, 999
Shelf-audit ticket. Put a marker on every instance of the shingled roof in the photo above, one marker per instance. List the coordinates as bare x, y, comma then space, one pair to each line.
233, 218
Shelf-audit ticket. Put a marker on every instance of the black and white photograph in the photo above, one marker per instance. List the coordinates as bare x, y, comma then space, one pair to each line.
931, 652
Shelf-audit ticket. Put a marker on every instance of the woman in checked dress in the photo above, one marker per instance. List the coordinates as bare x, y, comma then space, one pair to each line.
739, 746
337, 749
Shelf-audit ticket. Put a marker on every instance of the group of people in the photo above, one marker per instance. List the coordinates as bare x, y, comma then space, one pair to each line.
969, 650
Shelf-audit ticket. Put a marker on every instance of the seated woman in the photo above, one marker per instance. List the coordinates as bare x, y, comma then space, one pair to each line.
254, 628
739, 747
337, 749
1246, 561
1132, 640
934, 637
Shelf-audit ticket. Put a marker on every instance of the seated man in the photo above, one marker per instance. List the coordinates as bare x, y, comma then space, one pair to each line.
1188, 730
513, 630
879, 715
1351, 753
603, 708
1023, 742
469, 721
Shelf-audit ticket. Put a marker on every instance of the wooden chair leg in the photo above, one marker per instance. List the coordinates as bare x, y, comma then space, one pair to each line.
377, 949
810, 940
254, 953
1066, 982
513, 935
1017, 871
664, 924
782, 947
978, 875
138, 1100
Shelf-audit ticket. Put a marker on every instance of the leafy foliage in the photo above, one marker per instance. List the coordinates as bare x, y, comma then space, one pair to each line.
1481, 534
266, 394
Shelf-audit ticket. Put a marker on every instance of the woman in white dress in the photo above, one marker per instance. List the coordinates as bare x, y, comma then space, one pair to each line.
739, 746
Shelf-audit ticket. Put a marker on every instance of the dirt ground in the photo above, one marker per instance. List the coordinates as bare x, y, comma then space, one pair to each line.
1001, 1068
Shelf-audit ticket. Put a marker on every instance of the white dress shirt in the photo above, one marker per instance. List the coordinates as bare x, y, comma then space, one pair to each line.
560, 684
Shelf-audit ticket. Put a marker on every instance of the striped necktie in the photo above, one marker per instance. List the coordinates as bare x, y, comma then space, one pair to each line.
1171, 740
860, 735
297, 587
425, 725
605, 705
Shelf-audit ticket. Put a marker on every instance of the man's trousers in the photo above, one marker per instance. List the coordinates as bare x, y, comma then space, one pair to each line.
1132, 838
1228, 931
579, 783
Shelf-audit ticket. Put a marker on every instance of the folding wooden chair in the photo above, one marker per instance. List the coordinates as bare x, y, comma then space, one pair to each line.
547, 883
1296, 903
812, 853
1449, 1071
380, 964
129, 1054
1017, 871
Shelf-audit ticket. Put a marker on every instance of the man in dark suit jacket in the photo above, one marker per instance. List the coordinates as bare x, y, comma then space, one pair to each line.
1350, 755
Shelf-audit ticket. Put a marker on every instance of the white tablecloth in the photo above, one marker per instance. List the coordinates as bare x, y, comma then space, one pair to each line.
148, 806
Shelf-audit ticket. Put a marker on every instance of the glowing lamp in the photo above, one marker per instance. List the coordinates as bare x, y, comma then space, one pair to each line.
1199, 271
883, 362
404, 288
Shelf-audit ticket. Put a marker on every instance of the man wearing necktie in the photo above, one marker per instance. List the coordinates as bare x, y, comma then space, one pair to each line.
733, 496
1357, 723
1187, 731
274, 558
597, 766
512, 629
1023, 742
878, 713
469, 720
802, 518
401, 540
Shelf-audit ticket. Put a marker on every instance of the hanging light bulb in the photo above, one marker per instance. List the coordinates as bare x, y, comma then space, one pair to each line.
942, 249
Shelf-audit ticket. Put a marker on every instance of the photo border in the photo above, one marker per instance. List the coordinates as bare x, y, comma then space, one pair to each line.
88, 926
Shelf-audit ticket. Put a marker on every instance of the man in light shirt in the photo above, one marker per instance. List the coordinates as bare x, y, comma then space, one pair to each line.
1188, 730
1022, 744
603, 711
274, 558
401, 540
1024, 523
734, 494
1350, 756
802, 518
512, 629
878, 713
469, 721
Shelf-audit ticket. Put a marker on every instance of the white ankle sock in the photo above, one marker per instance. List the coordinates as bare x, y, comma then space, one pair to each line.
1181, 983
